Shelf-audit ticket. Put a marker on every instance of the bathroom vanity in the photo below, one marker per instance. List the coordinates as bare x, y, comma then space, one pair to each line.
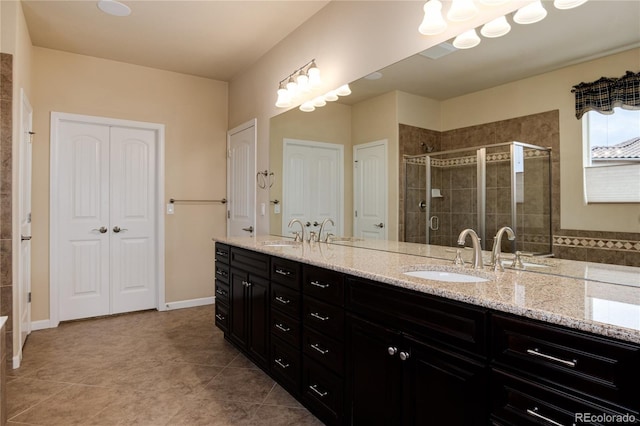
358, 341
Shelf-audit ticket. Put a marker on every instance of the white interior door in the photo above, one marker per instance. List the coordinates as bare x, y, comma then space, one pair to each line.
241, 180
24, 290
312, 184
106, 241
132, 219
83, 212
370, 190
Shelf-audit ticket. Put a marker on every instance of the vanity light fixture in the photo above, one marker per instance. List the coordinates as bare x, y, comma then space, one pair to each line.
530, 14
114, 8
343, 90
307, 106
284, 98
494, 2
467, 40
319, 102
331, 96
462, 10
300, 81
496, 28
568, 4
433, 23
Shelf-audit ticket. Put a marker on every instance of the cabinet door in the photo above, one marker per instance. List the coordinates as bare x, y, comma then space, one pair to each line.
258, 318
442, 388
373, 374
237, 307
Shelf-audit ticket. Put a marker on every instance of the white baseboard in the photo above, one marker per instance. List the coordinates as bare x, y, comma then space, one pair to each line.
41, 325
192, 303
16, 361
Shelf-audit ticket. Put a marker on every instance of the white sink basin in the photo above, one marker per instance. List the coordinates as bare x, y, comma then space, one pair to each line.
507, 263
281, 243
453, 277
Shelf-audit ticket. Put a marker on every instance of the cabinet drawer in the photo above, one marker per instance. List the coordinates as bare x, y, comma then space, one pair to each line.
285, 299
325, 318
604, 368
286, 328
521, 402
324, 350
222, 272
222, 317
222, 253
286, 272
222, 292
434, 319
250, 261
323, 284
286, 366
322, 392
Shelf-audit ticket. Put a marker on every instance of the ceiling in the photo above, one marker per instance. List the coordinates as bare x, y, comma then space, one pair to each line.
564, 37
207, 38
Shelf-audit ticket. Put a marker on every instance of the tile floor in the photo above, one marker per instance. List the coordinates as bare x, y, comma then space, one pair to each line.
148, 368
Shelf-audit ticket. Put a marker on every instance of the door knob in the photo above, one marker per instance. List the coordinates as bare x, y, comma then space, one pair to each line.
102, 230
404, 356
379, 225
392, 350
249, 229
117, 229
25, 237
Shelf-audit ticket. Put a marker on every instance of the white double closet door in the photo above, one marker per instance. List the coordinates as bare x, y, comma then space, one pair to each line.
106, 219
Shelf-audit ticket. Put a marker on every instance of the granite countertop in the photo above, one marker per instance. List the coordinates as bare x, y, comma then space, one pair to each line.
590, 305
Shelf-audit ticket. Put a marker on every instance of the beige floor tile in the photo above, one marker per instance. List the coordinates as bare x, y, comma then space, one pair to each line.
24, 393
279, 396
215, 413
274, 415
239, 384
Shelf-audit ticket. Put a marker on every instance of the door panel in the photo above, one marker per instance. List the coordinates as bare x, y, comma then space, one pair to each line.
132, 219
370, 179
83, 209
241, 182
25, 219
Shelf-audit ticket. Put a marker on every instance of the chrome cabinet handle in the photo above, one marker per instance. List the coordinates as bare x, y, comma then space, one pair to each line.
249, 229
318, 316
102, 230
117, 229
221, 292
221, 253
246, 283
534, 413
379, 225
282, 328
319, 284
283, 272
404, 356
220, 317
283, 300
391, 350
280, 363
321, 394
221, 273
319, 349
536, 352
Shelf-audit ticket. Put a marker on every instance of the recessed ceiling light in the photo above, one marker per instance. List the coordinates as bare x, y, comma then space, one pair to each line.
376, 75
113, 7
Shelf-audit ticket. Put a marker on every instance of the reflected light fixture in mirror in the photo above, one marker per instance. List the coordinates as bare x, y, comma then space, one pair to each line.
496, 28
114, 8
530, 14
433, 23
568, 4
467, 40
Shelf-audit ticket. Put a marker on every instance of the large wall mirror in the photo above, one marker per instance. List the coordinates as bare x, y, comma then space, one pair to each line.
516, 88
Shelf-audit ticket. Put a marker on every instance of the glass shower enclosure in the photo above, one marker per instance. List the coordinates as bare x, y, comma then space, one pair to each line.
483, 188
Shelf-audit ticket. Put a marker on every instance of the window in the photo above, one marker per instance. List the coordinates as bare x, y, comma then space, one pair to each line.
612, 156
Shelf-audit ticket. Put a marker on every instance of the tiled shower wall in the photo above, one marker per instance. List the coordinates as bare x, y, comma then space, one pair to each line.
538, 129
6, 128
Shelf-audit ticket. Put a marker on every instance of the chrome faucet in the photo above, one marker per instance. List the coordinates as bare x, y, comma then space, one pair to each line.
299, 236
496, 264
476, 260
324, 222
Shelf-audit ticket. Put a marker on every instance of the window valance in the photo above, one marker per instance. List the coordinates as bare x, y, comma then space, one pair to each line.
606, 93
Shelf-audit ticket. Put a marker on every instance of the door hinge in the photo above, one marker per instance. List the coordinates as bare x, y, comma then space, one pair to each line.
356, 213
29, 218
29, 298
228, 214
228, 153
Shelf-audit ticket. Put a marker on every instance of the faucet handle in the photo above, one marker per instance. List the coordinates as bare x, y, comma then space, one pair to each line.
296, 236
312, 236
458, 259
328, 237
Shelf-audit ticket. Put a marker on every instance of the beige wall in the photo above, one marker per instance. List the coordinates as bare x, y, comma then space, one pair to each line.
349, 40
194, 112
418, 111
295, 124
547, 92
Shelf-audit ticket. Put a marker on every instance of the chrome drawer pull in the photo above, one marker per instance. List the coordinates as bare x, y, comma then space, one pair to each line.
318, 316
282, 328
281, 364
283, 300
321, 394
546, 419
283, 272
221, 292
221, 253
246, 283
319, 284
536, 352
222, 273
319, 349
220, 317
